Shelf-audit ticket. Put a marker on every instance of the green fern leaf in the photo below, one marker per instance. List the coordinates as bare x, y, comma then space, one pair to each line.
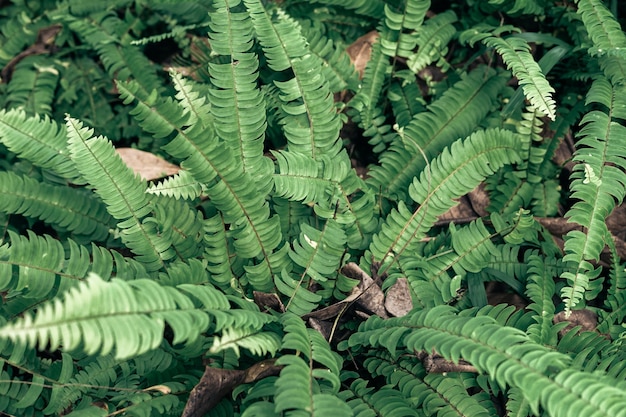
303, 387
364, 105
231, 189
129, 317
310, 122
607, 36
65, 208
432, 40
122, 192
237, 104
40, 141
454, 173
540, 289
182, 185
383, 401
515, 52
33, 85
398, 37
256, 342
505, 353
452, 116
598, 183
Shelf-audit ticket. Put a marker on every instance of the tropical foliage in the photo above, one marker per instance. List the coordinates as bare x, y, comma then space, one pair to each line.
352, 179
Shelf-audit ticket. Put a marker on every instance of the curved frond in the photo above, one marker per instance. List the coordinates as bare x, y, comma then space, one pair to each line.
455, 114
505, 353
182, 185
457, 171
127, 317
237, 104
62, 207
32, 86
540, 289
383, 401
303, 385
232, 190
398, 37
337, 68
515, 53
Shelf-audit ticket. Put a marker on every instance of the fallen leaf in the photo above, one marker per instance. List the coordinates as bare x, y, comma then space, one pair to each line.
360, 51
149, 166
398, 300
216, 383
587, 319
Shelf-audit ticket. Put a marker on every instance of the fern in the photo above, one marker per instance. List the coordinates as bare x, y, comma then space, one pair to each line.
448, 118
92, 323
482, 152
432, 40
598, 183
515, 52
539, 373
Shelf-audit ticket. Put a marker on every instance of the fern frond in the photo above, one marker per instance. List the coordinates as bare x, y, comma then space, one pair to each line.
310, 122
432, 40
435, 279
128, 317
39, 140
232, 191
454, 173
515, 53
193, 100
598, 183
42, 267
65, 208
406, 101
371, 8
237, 104
607, 36
505, 353
182, 185
398, 37
32, 86
303, 386
364, 105
383, 401
257, 342
318, 253
337, 68
540, 289
122, 192
122, 61
452, 116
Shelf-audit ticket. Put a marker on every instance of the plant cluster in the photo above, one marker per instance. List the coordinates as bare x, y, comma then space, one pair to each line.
477, 142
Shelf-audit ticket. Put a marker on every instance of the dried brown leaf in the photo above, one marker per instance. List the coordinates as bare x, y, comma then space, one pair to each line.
360, 51
149, 166
398, 301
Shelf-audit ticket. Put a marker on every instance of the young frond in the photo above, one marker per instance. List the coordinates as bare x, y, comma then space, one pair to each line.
515, 52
